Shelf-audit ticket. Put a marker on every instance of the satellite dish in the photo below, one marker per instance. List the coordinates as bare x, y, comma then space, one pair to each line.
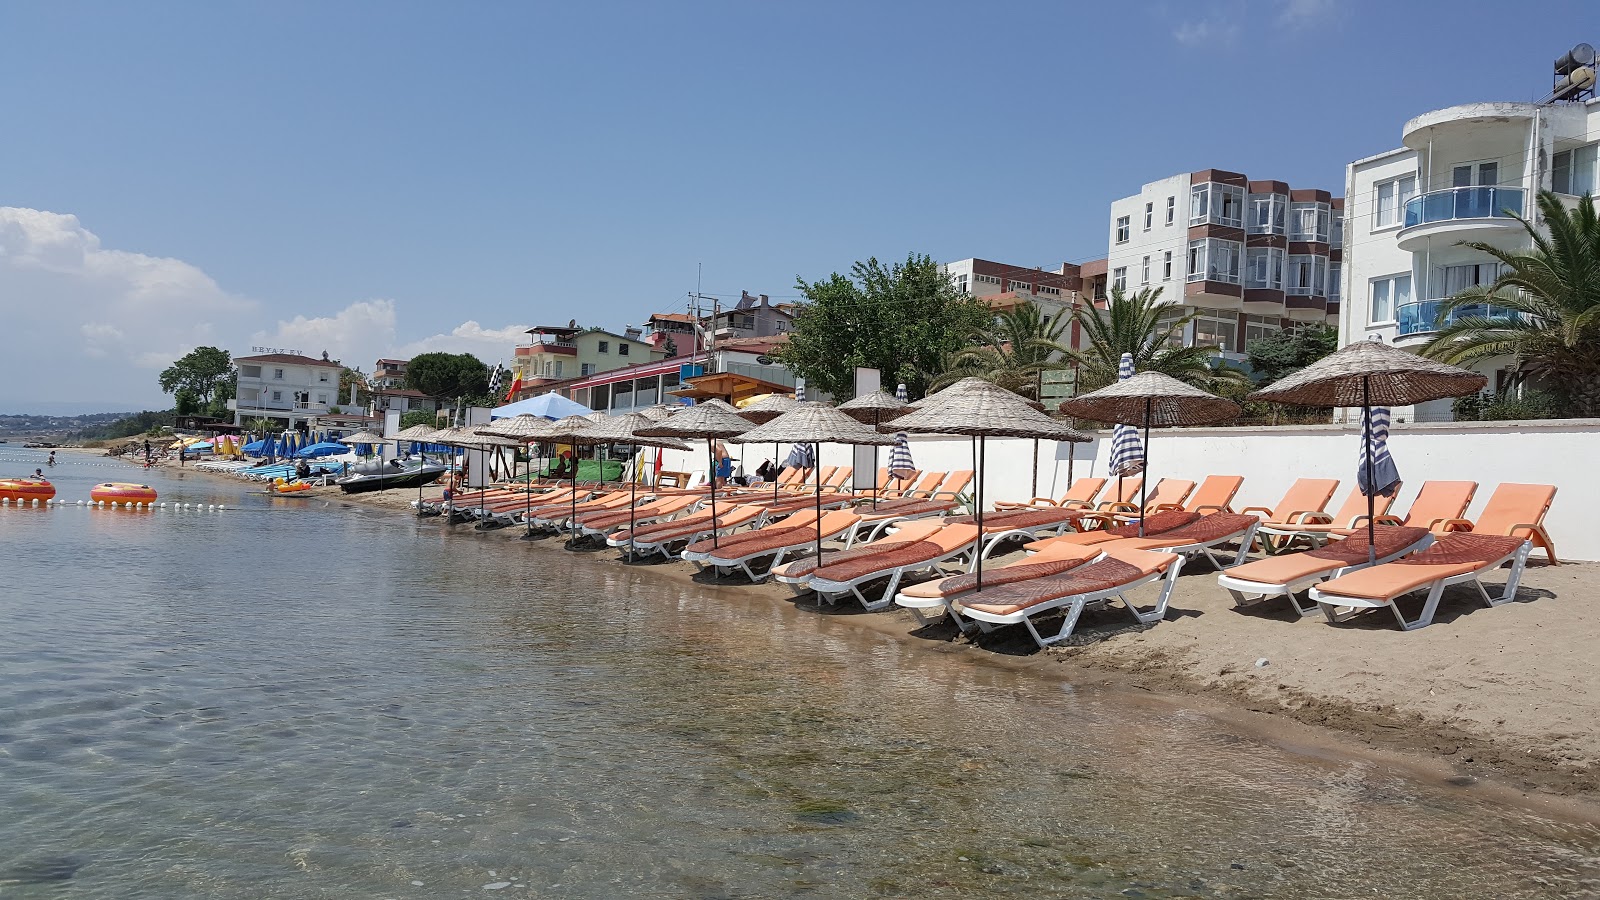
764, 360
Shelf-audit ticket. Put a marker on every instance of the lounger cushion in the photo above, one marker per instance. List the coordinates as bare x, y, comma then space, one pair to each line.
1292, 567
1107, 574
1024, 570
1021, 518
1455, 554
763, 540
1204, 530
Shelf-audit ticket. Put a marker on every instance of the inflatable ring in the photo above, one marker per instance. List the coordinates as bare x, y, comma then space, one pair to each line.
21, 490
122, 492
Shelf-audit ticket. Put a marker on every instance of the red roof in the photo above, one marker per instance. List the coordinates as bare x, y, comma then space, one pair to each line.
397, 362
288, 358
672, 317
401, 392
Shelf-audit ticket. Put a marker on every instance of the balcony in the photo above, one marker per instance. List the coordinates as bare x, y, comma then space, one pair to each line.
1421, 317
1457, 211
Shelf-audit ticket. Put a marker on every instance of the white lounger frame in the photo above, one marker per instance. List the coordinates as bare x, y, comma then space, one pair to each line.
709, 559
1248, 593
919, 605
1332, 603
1076, 604
832, 591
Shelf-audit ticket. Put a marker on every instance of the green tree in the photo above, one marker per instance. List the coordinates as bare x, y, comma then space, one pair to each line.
1550, 297
199, 372
348, 378
448, 375
1133, 324
1291, 350
1012, 351
905, 320
417, 417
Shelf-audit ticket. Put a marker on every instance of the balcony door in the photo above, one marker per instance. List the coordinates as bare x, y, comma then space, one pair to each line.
1481, 174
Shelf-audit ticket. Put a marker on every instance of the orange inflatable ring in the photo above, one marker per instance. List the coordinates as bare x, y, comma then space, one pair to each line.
21, 490
122, 492
295, 488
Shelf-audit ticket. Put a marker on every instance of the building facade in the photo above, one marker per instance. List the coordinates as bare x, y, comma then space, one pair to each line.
1248, 257
1004, 286
556, 354
287, 388
753, 316
1458, 176
389, 374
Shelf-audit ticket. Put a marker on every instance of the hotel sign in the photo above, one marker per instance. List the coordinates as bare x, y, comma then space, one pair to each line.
275, 350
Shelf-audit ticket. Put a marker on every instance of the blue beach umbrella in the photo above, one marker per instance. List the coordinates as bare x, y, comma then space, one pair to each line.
326, 448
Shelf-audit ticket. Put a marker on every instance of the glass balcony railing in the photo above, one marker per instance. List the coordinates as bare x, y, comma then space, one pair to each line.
1463, 203
1422, 316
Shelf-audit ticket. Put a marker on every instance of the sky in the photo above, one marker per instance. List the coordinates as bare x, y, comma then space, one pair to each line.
383, 179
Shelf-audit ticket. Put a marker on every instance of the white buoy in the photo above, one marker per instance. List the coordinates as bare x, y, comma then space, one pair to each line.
80, 502
221, 506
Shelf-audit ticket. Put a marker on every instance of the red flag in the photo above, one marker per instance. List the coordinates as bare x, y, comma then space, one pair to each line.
516, 385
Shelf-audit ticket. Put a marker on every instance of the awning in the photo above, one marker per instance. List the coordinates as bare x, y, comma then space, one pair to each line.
729, 386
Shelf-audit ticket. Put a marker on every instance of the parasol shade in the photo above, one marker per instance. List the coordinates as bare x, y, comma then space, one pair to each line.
812, 422
1167, 400
874, 407
1392, 377
980, 409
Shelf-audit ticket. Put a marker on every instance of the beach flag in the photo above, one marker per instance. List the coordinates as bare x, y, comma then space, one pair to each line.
516, 387
494, 380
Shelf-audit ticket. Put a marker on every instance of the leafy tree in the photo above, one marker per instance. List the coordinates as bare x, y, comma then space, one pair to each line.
670, 347
1132, 324
199, 371
905, 320
147, 422
185, 402
1550, 295
417, 417
225, 390
1013, 350
349, 377
448, 375
1290, 351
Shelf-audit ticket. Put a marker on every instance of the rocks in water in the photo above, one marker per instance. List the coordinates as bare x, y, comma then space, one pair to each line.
497, 886
43, 870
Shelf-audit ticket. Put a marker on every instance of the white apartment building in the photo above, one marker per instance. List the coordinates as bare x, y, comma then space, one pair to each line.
285, 387
1251, 258
1457, 176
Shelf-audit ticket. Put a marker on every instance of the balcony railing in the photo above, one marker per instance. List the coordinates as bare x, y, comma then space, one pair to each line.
1422, 316
1463, 203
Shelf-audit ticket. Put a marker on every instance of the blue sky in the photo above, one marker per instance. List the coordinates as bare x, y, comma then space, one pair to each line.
378, 178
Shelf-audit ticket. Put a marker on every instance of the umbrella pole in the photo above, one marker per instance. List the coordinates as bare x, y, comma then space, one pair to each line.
977, 549
633, 500
774, 471
572, 524
1035, 469
527, 499
1372, 488
711, 457
1144, 483
816, 453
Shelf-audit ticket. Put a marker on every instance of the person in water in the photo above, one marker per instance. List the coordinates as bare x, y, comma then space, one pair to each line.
52, 460
39, 474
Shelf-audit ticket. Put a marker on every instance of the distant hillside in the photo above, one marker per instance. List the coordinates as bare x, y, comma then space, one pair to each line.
28, 426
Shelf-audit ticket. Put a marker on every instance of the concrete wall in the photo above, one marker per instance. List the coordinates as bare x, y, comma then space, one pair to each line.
1548, 452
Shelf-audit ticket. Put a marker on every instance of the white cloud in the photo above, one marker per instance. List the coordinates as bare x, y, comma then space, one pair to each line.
1304, 13
83, 324
1208, 32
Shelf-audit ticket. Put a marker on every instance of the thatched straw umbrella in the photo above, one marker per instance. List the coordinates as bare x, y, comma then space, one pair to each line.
814, 423
416, 434
661, 411
874, 408
577, 431
765, 410
711, 420
1368, 373
625, 430
522, 429
982, 410
1154, 399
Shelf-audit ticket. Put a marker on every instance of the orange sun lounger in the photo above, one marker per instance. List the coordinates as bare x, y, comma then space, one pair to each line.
1452, 559
917, 546
771, 543
937, 594
1514, 510
1290, 573
1079, 496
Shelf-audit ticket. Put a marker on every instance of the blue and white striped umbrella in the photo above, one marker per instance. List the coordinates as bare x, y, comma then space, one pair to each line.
1384, 473
1127, 452
801, 456
800, 391
900, 464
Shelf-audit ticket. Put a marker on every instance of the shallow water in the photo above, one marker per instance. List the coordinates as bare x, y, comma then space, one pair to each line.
298, 699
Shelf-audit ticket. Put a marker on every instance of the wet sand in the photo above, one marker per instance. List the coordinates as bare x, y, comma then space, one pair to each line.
1504, 694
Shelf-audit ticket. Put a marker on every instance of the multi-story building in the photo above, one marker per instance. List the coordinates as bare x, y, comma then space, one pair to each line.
1004, 286
1249, 258
752, 316
284, 386
1459, 175
389, 374
678, 328
557, 354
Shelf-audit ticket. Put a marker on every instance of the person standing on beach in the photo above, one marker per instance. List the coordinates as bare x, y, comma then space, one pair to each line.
183, 454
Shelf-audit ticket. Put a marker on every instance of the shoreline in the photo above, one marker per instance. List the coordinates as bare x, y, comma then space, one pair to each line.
1471, 701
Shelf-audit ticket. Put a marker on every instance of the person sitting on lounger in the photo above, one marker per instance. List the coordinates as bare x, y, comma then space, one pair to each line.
565, 466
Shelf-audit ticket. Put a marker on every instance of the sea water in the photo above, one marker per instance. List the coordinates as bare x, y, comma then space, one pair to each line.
301, 698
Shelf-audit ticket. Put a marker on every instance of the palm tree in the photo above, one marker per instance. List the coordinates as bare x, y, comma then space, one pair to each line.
1550, 294
1012, 351
1133, 324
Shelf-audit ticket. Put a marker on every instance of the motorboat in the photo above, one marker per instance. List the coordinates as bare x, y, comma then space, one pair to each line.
378, 476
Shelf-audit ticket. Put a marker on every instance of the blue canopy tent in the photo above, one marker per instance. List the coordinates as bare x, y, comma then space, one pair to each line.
550, 406
327, 448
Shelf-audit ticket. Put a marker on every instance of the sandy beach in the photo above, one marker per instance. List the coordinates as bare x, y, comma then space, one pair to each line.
1506, 695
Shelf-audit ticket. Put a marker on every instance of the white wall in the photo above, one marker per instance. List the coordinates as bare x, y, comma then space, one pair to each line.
1153, 243
1270, 459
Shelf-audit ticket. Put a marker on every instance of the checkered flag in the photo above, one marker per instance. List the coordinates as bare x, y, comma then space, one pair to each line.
494, 379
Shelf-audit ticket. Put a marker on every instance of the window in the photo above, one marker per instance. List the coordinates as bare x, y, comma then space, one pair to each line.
1053, 291
1211, 259
322, 377
1266, 213
1167, 324
586, 369
322, 399
986, 279
1309, 222
1119, 278
1122, 229
961, 284
1216, 204
1166, 266
1215, 329
1264, 268
1338, 229
1388, 295
1260, 328
277, 374
277, 396
1144, 272
1172, 209
1021, 286
1390, 203
622, 349
1335, 271
1308, 275
1573, 171
1451, 280
1469, 174
605, 346
1149, 215
250, 371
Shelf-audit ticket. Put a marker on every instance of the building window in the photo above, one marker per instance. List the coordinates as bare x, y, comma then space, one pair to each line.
1307, 275
1309, 222
1021, 286
1215, 329
1166, 266
1168, 321
1211, 259
1390, 203
1053, 291
322, 399
1213, 203
277, 396
961, 284
1469, 174
1122, 229
1119, 278
1335, 272
605, 346
1452, 280
277, 374
1149, 215
1388, 295
1264, 268
249, 371
1573, 171
586, 369
1266, 213
1144, 271
1338, 228
1172, 209
622, 349
322, 377
1260, 328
